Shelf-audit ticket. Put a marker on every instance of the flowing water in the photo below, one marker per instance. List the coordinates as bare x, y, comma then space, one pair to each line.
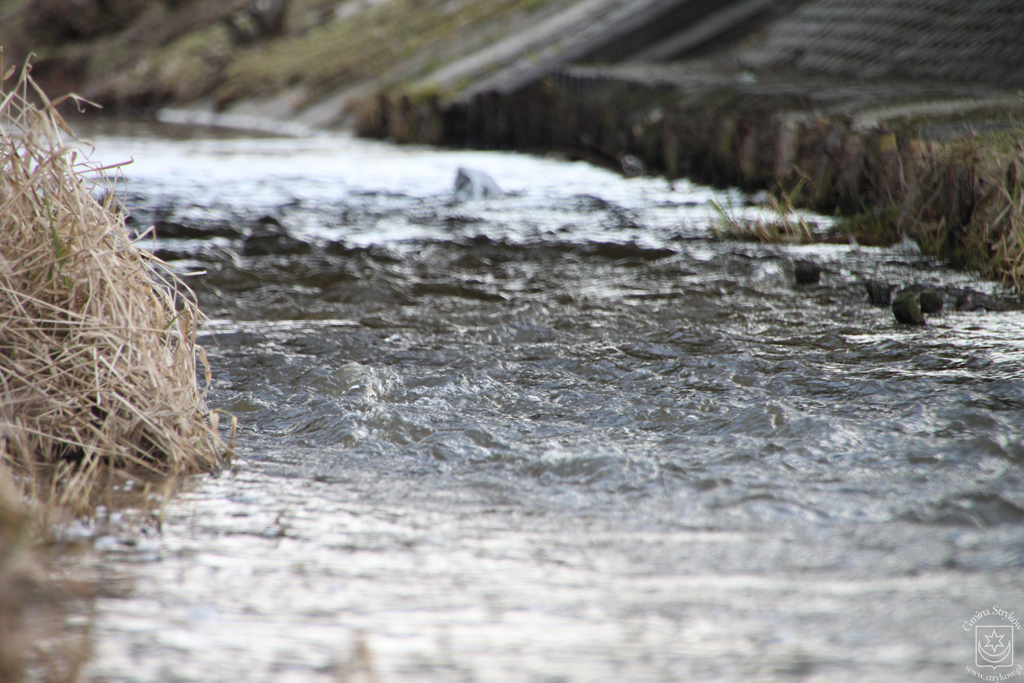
562, 435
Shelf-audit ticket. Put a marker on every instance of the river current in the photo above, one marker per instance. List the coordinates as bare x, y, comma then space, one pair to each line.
562, 435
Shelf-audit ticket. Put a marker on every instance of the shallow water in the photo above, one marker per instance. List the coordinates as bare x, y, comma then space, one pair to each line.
564, 435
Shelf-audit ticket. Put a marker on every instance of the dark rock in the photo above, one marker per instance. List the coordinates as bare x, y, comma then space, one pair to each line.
966, 302
384, 254
340, 249
270, 238
460, 221
806, 272
168, 255
589, 202
269, 221
907, 308
880, 293
260, 245
969, 300
930, 300
179, 231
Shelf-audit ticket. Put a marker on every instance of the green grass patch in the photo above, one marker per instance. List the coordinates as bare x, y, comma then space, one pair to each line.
393, 42
777, 221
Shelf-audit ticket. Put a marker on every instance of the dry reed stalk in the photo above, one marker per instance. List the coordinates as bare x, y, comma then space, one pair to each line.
97, 337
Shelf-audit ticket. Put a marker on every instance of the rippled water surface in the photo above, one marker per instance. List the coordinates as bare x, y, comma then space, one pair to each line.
563, 435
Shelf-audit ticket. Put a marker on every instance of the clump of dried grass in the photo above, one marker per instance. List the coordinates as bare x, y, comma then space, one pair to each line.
998, 224
777, 223
97, 338
967, 204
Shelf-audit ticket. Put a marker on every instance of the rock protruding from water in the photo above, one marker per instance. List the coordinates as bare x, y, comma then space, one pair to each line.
632, 166
472, 184
880, 293
931, 300
270, 238
970, 300
908, 247
806, 272
907, 308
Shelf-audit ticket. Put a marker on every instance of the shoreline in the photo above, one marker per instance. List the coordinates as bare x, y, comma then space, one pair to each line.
868, 113
943, 164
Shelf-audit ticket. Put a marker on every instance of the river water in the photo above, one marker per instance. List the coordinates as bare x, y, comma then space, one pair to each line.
562, 435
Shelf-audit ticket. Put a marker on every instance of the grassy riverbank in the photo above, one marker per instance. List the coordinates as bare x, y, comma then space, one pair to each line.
147, 55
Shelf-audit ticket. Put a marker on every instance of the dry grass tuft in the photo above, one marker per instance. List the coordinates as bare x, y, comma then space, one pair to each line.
967, 204
97, 337
997, 225
777, 222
